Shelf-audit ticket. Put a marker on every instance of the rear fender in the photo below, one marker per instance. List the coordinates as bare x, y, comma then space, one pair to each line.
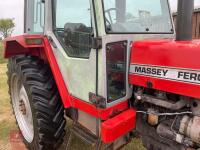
20, 45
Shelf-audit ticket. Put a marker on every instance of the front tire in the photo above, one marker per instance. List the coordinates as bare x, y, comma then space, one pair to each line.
36, 103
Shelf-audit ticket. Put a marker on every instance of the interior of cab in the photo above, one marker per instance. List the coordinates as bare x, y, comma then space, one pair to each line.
133, 16
77, 38
75, 34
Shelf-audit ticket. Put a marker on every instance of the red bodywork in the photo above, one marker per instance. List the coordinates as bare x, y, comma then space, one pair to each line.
17, 45
118, 126
125, 120
167, 53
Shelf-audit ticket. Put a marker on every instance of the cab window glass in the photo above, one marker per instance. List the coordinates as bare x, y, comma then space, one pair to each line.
137, 16
38, 16
73, 26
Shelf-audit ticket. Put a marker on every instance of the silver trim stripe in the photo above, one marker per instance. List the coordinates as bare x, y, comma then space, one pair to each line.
168, 73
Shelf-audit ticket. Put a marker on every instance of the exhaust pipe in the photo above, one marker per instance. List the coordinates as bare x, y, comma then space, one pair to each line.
184, 20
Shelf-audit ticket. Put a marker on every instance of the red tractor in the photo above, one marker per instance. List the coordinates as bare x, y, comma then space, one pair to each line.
114, 67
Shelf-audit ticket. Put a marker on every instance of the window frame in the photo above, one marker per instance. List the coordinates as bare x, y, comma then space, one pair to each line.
107, 32
29, 17
54, 29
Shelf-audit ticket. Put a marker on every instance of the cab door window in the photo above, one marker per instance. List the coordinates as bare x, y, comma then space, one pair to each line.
38, 16
34, 16
73, 26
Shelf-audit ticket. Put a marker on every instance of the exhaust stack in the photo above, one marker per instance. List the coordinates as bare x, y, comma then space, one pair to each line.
184, 20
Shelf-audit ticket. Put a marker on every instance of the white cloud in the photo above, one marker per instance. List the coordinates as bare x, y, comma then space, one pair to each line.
14, 9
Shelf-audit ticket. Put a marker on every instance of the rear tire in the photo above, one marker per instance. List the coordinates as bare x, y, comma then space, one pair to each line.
34, 94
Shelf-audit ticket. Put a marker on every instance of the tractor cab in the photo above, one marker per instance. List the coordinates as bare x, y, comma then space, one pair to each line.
91, 40
113, 67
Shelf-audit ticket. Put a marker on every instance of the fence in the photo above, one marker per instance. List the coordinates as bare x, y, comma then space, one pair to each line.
196, 23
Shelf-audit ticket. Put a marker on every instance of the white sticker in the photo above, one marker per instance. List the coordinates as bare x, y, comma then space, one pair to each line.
177, 74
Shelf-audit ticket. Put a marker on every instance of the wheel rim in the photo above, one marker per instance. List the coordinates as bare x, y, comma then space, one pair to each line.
22, 108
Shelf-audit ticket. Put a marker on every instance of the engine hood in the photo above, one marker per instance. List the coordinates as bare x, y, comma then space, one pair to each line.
167, 65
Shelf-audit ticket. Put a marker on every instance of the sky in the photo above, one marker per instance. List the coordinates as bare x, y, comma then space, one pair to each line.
14, 9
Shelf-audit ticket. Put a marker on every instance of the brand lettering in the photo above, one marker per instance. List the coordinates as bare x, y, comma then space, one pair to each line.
151, 71
189, 76
177, 74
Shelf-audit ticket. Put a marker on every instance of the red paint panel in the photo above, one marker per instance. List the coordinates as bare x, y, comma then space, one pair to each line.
17, 45
167, 53
65, 96
104, 114
118, 126
21, 39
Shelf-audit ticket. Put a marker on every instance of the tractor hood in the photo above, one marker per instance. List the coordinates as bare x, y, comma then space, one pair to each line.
166, 65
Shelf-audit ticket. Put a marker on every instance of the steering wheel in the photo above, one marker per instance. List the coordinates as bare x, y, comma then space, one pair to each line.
108, 11
110, 20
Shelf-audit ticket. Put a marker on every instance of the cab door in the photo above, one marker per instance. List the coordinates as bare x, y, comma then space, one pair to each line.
34, 16
70, 26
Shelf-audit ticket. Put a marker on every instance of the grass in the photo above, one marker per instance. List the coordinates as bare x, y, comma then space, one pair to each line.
135, 144
7, 121
2, 60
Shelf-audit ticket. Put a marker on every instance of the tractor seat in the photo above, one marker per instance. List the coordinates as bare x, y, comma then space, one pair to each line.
77, 38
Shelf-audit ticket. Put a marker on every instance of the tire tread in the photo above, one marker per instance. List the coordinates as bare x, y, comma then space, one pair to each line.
49, 111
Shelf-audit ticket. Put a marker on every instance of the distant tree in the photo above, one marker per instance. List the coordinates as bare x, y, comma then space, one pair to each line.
6, 27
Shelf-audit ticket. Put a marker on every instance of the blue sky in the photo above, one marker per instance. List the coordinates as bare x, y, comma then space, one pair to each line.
14, 9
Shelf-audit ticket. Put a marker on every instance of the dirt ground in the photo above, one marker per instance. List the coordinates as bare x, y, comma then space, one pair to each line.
9, 134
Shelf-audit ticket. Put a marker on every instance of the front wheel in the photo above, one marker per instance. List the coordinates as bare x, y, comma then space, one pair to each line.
36, 103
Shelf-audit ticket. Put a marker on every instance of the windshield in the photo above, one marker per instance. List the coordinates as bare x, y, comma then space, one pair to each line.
137, 16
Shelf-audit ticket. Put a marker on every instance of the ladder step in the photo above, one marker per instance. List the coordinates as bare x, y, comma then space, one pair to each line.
84, 135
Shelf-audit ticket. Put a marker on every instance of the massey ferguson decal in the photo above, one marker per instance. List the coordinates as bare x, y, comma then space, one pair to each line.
177, 74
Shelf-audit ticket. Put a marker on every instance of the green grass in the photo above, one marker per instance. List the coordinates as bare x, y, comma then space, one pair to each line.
2, 60
135, 144
7, 122
5, 128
